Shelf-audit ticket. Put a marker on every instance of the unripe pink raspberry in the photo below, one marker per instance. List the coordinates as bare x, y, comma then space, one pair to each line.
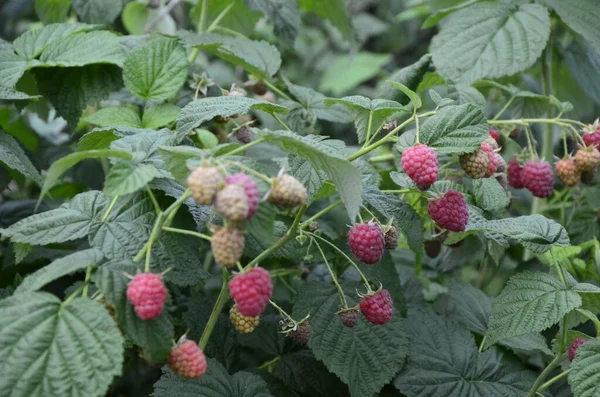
494, 134
567, 172
450, 211
514, 174
147, 293
421, 165
367, 242
251, 291
492, 159
188, 360
377, 308
204, 184
587, 159
251, 189
232, 203
537, 178
227, 245
574, 346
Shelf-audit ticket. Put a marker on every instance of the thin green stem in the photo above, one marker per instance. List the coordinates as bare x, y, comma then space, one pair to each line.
368, 136
482, 344
333, 276
73, 295
380, 142
382, 158
276, 90
220, 17
321, 213
281, 311
110, 208
370, 213
153, 198
216, 311
508, 103
269, 363
417, 129
362, 276
250, 171
590, 316
245, 147
279, 242
530, 146
553, 380
188, 232
284, 125
88, 277
538, 382
203, 16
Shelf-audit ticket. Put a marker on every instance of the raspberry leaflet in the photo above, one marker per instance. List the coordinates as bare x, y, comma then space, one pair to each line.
421, 165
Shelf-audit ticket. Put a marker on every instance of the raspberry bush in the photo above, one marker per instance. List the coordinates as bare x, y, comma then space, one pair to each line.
263, 198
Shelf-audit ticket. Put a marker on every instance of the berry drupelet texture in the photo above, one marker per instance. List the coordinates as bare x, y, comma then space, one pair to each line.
147, 293
367, 242
450, 211
421, 165
377, 308
251, 291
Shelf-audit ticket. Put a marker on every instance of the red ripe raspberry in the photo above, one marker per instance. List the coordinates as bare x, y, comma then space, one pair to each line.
367, 242
514, 174
450, 211
567, 172
251, 189
574, 346
592, 139
587, 158
537, 178
147, 293
494, 134
492, 159
377, 308
187, 359
349, 317
421, 165
251, 291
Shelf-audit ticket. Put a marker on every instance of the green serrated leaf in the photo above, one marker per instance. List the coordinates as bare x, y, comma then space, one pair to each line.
15, 158
257, 57
59, 268
433, 19
365, 357
410, 76
463, 93
156, 71
579, 15
180, 254
342, 173
155, 336
295, 368
115, 116
197, 112
31, 43
414, 98
98, 11
368, 112
535, 232
334, 11
489, 194
585, 370
584, 63
50, 349
12, 95
215, 383
284, 14
348, 71
444, 361
52, 11
74, 50
12, 67
160, 115
71, 90
530, 302
405, 217
455, 129
97, 139
490, 39
126, 177
61, 166
207, 138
